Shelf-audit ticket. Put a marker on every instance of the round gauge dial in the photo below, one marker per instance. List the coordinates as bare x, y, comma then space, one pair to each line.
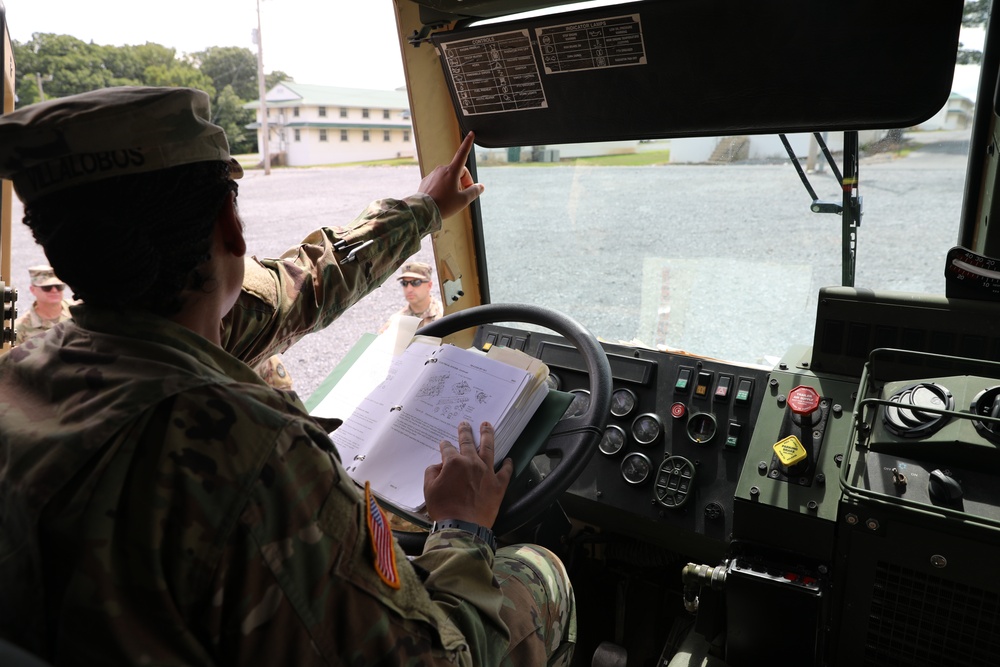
647, 429
623, 402
613, 440
553, 381
701, 427
636, 468
581, 401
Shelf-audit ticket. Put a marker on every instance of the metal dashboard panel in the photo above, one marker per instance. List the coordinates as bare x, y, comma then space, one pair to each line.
703, 437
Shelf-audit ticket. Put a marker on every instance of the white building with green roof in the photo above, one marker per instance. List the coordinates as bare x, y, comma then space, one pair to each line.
312, 125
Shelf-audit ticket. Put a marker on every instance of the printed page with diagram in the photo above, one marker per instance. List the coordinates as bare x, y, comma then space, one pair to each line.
395, 434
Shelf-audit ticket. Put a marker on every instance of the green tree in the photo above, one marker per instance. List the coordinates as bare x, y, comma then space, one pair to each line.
130, 62
178, 74
230, 66
229, 114
59, 65
274, 78
56, 66
974, 15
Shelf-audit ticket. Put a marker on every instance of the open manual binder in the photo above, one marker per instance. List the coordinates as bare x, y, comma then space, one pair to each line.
399, 395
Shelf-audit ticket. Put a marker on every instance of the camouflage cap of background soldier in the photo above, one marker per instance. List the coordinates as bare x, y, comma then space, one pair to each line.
43, 276
415, 270
83, 138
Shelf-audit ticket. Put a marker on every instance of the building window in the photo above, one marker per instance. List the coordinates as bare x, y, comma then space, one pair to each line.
343, 112
385, 114
343, 135
365, 135
364, 113
322, 112
295, 112
298, 136
322, 135
386, 135
406, 135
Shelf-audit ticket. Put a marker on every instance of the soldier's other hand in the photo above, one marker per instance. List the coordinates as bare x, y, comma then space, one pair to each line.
451, 185
464, 486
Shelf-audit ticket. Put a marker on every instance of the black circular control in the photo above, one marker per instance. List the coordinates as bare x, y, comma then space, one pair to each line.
674, 481
905, 417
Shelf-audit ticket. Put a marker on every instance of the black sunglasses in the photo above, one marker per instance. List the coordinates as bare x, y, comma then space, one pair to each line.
49, 288
416, 282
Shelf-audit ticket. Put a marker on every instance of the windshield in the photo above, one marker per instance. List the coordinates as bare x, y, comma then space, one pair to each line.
720, 254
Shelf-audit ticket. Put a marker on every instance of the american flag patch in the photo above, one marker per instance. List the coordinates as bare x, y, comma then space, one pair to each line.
382, 547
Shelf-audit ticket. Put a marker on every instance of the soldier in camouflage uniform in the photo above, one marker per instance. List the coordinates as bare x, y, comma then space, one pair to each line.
49, 308
160, 503
415, 279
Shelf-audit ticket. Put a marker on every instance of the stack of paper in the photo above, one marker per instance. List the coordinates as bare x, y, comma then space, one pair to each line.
398, 404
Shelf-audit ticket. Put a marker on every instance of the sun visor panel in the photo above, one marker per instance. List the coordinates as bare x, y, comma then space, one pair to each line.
686, 68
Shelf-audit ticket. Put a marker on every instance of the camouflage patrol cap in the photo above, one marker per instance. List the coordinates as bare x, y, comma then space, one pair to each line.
43, 276
110, 132
415, 270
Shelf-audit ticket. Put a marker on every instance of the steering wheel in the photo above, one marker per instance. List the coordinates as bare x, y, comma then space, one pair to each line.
574, 439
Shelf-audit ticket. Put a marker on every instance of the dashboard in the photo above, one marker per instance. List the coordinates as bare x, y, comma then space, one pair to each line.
675, 444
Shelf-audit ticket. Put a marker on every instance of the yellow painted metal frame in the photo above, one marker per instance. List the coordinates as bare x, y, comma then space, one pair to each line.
6, 188
437, 136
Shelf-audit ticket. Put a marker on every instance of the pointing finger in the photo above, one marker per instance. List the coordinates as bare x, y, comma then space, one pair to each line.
462, 155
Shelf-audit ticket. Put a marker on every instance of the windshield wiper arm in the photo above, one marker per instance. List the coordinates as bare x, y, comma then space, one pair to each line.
850, 209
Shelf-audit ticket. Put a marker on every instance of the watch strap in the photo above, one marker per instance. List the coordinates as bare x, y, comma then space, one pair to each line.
482, 532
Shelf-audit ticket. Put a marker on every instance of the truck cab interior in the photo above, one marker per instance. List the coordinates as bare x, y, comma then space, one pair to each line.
790, 456
783, 447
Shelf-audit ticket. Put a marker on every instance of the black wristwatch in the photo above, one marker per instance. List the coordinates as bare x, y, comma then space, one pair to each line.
482, 532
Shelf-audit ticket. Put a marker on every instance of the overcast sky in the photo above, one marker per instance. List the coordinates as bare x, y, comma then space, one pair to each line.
350, 43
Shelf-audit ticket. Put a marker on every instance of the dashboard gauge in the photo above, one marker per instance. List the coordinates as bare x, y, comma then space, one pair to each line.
647, 429
701, 427
613, 440
623, 402
581, 401
553, 381
636, 468
674, 481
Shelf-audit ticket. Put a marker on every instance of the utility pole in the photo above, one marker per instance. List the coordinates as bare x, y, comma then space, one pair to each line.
262, 91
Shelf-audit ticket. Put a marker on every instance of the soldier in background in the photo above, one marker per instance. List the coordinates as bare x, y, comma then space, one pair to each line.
49, 308
415, 279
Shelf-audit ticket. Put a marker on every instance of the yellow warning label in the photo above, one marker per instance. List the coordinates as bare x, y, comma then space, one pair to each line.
790, 451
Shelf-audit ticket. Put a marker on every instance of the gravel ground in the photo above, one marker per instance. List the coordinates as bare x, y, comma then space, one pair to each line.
680, 218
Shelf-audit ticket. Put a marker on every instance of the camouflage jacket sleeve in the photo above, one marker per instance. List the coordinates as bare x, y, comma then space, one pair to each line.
310, 285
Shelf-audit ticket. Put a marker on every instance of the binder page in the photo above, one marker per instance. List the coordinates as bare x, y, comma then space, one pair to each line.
456, 385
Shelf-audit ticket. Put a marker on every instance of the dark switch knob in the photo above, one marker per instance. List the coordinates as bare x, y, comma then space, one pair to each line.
943, 488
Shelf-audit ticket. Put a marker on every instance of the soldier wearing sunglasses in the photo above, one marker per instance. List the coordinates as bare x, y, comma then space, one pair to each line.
415, 279
49, 308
